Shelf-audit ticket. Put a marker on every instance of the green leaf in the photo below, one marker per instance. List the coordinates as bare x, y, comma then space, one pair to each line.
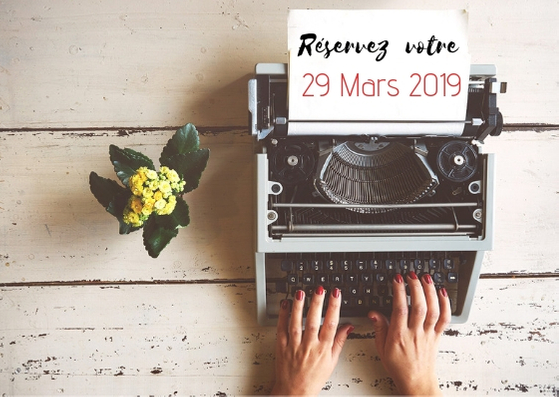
113, 198
190, 166
117, 209
179, 218
185, 140
127, 161
157, 236
105, 190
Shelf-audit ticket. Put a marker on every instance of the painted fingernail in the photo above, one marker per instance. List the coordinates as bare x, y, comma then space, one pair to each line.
398, 278
319, 290
444, 293
428, 279
413, 276
336, 293
284, 304
350, 330
299, 295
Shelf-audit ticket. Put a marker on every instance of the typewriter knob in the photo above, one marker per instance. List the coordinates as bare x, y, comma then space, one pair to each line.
457, 161
293, 161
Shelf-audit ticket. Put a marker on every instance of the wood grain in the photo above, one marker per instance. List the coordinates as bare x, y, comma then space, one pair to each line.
154, 64
156, 340
55, 231
86, 311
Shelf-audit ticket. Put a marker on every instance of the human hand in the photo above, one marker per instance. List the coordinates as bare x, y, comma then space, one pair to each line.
408, 344
306, 359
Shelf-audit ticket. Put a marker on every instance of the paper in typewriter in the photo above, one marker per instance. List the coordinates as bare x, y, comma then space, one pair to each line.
406, 70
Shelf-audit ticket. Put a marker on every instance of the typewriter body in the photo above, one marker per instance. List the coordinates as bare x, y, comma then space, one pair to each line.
348, 205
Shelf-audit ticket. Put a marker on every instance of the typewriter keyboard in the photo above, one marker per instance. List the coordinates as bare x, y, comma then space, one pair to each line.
365, 279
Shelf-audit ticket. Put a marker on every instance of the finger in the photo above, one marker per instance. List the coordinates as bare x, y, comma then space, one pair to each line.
445, 312
314, 315
380, 325
283, 321
296, 321
432, 301
340, 339
399, 317
332, 317
418, 304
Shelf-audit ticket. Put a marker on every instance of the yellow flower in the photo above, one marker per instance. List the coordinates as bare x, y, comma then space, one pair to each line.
157, 195
132, 218
137, 189
148, 206
135, 204
141, 172
154, 185
165, 187
151, 174
147, 193
173, 176
160, 204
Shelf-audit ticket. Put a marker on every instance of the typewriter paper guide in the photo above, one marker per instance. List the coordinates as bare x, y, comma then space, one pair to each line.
388, 83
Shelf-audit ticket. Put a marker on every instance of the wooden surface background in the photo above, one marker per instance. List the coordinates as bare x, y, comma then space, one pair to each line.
86, 311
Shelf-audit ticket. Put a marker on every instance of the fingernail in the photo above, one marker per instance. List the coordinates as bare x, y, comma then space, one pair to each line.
284, 304
374, 319
428, 279
319, 290
350, 330
413, 276
336, 293
443, 291
398, 278
299, 295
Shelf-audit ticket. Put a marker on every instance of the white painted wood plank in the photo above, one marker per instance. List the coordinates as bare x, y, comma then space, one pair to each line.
526, 203
156, 63
203, 339
53, 229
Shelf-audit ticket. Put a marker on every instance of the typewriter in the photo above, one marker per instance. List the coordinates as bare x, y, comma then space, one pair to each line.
350, 210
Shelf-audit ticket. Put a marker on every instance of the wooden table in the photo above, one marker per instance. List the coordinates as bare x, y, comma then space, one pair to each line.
86, 311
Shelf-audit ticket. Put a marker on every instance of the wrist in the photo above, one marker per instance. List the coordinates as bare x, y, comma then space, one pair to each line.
290, 389
420, 387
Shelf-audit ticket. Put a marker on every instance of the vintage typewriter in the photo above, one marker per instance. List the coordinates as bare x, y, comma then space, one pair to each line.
351, 210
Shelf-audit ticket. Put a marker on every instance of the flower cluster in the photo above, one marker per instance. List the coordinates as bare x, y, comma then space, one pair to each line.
152, 192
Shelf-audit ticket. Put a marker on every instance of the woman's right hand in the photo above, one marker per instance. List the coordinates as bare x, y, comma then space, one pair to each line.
408, 344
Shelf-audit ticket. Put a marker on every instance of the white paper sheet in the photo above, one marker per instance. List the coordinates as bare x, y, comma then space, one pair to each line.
378, 65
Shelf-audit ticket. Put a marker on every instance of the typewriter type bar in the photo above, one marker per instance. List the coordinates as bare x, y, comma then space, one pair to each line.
376, 197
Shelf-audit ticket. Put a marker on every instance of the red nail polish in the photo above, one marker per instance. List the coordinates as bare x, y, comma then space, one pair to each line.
398, 278
336, 293
284, 304
428, 279
319, 290
413, 276
299, 295
444, 293
350, 330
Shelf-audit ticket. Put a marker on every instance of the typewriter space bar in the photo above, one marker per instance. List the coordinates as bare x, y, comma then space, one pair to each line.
373, 228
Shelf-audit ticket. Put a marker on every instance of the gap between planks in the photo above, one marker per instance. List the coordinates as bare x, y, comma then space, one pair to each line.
90, 131
108, 284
